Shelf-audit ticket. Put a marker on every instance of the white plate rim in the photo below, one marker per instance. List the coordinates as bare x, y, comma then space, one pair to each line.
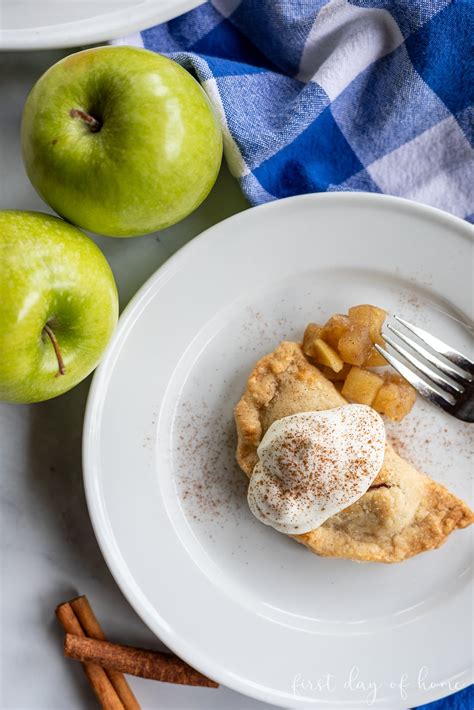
99, 28
100, 380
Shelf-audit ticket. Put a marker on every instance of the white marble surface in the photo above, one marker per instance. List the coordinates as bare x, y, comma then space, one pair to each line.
48, 550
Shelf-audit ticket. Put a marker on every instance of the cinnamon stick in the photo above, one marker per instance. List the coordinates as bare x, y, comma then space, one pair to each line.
97, 677
154, 665
92, 628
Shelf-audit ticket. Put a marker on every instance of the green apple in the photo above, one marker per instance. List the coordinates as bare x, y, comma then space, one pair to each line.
120, 140
58, 306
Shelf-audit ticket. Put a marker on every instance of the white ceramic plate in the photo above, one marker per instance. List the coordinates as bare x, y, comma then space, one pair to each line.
242, 603
46, 24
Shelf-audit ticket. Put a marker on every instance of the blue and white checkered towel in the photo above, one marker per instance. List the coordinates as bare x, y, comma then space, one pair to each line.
316, 95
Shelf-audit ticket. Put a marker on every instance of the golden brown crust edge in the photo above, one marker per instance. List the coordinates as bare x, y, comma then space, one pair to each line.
403, 513
437, 514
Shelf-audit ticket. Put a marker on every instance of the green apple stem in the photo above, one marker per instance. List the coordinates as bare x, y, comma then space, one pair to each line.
93, 124
57, 350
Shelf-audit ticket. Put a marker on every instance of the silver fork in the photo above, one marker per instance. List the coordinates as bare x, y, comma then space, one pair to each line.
448, 375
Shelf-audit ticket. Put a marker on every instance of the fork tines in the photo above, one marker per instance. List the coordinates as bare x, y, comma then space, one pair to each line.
448, 375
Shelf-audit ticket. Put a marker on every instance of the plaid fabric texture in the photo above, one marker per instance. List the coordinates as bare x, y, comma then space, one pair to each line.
332, 95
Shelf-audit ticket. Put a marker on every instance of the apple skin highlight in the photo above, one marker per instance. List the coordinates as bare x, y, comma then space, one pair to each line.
58, 306
147, 159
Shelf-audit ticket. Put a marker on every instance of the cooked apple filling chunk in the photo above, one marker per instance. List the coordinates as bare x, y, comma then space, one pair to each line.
395, 398
362, 386
344, 349
319, 351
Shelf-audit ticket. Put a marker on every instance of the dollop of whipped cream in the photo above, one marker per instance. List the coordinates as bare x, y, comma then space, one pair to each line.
314, 464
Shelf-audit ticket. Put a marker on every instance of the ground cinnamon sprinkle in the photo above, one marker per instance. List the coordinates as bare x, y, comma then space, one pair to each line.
430, 440
208, 480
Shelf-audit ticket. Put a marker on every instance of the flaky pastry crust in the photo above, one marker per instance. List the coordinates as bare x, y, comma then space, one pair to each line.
403, 513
